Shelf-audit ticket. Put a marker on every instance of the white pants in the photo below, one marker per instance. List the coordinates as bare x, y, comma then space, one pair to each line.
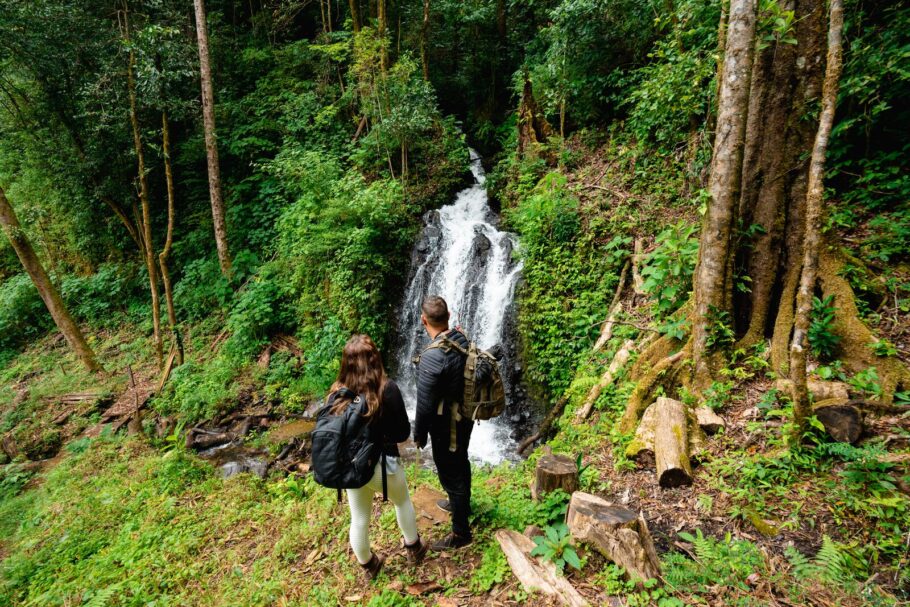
361, 503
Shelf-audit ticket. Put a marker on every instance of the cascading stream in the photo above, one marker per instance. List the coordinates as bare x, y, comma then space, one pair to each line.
463, 257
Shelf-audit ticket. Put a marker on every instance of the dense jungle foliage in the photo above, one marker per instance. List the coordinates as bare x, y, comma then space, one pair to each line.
337, 131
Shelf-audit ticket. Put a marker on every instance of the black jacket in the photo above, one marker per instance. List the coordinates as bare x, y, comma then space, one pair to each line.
440, 377
393, 419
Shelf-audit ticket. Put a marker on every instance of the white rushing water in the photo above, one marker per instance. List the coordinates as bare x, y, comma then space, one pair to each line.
467, 260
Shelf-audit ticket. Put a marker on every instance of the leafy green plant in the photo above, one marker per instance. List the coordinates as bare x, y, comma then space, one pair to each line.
720, 329
555, 546
668, 269
822, 339
493, 569
867, 382
883, 348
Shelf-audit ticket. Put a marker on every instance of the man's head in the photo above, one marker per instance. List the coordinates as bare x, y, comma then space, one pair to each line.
434, 314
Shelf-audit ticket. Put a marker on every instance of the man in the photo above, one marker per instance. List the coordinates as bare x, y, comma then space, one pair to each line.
440, 386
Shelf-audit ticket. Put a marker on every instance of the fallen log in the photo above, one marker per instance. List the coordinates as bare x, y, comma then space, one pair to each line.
619, 360
554, 472
841, 419
615, 306
545, 425
819, 389
614, 531
536, 575
671, 443
77, 398
641, 449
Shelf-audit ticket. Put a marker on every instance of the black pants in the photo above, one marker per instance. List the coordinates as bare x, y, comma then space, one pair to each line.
454, 471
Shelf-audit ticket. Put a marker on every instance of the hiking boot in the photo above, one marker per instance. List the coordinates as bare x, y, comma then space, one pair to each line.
373, 567
416, 551
450, 542
444, 505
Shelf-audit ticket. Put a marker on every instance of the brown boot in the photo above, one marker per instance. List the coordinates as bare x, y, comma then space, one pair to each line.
374, 566
416, 551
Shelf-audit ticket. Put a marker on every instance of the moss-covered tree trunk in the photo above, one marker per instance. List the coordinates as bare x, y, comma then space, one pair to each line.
711, 276
811, 242
46, 288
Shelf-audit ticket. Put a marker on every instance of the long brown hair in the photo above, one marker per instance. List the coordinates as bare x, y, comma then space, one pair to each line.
361, 372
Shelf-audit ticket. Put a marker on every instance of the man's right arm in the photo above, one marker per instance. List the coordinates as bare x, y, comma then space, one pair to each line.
429, 372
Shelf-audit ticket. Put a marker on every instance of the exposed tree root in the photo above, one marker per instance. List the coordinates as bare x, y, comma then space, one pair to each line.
856, 338
664, 372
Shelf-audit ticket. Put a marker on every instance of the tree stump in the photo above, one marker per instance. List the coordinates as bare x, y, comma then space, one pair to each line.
671, 443
554, 472
841, 420
616, 532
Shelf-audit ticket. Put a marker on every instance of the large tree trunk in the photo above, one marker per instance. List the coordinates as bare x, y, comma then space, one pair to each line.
45, 287
146, 222
814, 195
211, 140
711, 277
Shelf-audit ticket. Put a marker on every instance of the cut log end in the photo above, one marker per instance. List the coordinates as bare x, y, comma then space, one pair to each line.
555, 472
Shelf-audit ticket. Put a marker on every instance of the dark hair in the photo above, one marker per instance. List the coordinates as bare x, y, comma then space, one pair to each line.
361, 372
435, 309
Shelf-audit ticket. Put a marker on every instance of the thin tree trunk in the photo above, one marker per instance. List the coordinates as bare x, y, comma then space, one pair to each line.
211, 141
424, 40
384, 51
169, 239
726, 169
355, 15
146, 224
814, 196
45, 287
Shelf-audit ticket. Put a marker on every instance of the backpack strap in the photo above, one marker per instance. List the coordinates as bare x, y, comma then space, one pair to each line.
385, 487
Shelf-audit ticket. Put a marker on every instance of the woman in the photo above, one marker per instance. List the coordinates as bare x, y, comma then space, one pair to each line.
362, 373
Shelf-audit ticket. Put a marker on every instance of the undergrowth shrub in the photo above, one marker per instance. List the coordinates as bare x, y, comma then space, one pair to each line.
569, 277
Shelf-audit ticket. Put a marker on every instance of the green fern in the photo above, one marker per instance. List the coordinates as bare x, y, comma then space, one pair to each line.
832, 566
705, 549
102, 597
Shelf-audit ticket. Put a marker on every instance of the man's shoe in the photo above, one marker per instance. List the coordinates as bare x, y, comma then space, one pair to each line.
416, 551
444, 505
450, 542
373, 567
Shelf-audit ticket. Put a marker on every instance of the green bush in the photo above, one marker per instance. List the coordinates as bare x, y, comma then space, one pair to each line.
569, 275
22, 314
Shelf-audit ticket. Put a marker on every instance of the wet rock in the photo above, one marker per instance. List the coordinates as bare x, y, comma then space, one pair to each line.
296, 429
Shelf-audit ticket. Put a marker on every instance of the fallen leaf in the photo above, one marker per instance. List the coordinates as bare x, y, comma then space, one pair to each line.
396, 585
423, 588
445, 601
353, 598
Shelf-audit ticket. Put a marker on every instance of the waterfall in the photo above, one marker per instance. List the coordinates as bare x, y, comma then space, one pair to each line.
463, 257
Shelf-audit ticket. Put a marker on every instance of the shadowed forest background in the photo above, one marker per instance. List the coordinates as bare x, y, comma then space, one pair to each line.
738, 244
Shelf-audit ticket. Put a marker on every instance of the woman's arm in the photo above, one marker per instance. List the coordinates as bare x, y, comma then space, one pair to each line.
395, 417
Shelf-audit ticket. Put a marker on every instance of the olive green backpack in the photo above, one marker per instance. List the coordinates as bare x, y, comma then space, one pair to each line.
484, 393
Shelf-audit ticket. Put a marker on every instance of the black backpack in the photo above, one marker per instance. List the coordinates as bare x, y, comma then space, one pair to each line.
345, 446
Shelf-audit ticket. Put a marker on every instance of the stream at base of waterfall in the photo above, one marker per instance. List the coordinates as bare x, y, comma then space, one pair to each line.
463, 257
